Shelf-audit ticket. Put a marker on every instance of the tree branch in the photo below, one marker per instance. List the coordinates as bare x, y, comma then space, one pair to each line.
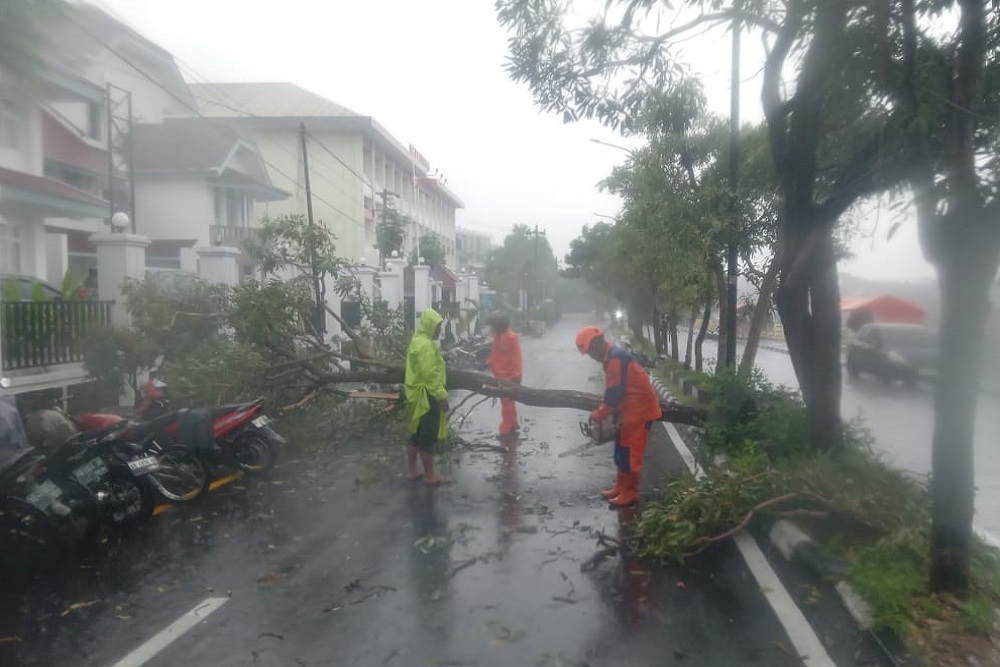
487, 385
775, 111
351, 333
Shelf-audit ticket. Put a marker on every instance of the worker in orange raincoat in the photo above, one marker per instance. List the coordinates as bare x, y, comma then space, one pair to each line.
505, 362
630, 395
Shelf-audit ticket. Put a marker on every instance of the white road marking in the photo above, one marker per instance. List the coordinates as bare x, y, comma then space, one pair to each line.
689, 460
803, 638
801, 634
165, 637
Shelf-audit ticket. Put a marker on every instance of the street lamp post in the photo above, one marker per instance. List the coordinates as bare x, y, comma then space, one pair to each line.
732, 267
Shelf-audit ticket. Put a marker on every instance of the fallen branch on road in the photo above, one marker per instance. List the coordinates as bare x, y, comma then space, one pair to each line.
381, 372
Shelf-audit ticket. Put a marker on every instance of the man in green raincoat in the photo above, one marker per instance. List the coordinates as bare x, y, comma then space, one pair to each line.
426, 398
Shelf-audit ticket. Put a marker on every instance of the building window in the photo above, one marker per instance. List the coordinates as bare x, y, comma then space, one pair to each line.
10, 126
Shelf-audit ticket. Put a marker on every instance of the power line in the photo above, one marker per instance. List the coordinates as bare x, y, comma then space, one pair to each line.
213, 122
349, 168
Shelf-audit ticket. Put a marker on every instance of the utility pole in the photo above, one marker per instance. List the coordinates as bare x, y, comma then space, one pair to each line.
732, 268
319, 318
384, 193
534, 266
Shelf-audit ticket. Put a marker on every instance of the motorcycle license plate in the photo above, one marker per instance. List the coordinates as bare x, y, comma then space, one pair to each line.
143, 464
90, 472
261, 421
44, 495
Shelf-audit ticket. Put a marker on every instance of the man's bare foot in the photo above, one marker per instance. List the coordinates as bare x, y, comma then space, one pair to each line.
437, 480
413, 476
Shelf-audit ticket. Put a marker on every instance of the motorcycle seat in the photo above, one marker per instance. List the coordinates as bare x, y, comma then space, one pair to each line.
143, 429
95, 434
217, 410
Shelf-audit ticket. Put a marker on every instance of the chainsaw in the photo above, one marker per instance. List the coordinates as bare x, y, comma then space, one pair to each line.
598, 432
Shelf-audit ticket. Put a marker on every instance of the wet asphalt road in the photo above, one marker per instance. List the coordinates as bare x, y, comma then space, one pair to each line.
902, 420
324, 563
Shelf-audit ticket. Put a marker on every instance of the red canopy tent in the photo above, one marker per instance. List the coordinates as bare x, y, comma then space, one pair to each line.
885, 308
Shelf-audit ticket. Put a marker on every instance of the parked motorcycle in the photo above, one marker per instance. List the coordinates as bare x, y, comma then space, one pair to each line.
115, 472
237, 436
471, 354
181, 474
41, 519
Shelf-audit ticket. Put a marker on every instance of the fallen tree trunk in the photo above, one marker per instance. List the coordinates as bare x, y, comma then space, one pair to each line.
487, 385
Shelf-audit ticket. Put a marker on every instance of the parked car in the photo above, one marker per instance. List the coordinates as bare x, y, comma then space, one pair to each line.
27, 288
906, 352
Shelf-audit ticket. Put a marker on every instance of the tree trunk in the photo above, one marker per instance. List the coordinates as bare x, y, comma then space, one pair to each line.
635, 324
965, 272
674, 351
487, 385
760, 316
720, 285
690, 338
657, 332
809, 305
699, 355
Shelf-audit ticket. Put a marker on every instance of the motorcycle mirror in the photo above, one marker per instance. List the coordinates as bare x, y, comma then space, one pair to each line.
5, 383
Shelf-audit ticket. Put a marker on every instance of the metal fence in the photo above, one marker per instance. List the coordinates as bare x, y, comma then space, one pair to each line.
46, 333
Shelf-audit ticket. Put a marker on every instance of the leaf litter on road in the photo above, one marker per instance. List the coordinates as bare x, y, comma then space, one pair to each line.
76, 606
429, 543
502, 633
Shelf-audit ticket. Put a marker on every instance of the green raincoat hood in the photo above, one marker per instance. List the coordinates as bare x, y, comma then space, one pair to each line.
429, 319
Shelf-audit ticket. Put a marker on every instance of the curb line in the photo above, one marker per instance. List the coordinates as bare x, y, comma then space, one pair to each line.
796, 546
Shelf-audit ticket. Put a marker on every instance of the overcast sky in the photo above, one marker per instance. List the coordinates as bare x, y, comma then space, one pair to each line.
432, 73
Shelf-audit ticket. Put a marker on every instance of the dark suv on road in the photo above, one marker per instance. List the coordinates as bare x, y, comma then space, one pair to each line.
906, 352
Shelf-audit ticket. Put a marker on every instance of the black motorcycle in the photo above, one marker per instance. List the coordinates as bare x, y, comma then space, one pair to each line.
42, 520
115, 473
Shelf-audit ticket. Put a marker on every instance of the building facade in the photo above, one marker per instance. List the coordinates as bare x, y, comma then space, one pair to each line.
355, 165
473, 248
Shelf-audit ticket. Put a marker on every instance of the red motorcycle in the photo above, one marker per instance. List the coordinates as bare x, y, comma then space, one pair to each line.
236, 436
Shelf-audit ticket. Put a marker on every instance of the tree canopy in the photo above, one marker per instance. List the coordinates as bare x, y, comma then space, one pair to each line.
859, 99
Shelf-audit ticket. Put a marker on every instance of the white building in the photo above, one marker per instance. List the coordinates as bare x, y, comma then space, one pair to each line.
354, 163
37, 213
194, 182
196, 185
473, 248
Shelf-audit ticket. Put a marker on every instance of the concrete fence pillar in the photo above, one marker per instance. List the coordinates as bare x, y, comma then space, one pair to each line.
366, 276
219, 264
119, 256
391, 285
421, 289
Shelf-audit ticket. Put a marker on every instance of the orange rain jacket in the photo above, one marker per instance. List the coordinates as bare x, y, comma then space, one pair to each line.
505, 356
628, 391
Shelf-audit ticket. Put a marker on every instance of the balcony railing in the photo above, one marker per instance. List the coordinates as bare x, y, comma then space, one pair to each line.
46, 333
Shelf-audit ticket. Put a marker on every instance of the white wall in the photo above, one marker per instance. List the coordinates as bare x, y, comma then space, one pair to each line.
174, 208
149, 101
338, 194
27, 156
34, 249
56, 258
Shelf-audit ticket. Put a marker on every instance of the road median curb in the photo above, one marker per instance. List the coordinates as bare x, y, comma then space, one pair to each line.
795, 545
